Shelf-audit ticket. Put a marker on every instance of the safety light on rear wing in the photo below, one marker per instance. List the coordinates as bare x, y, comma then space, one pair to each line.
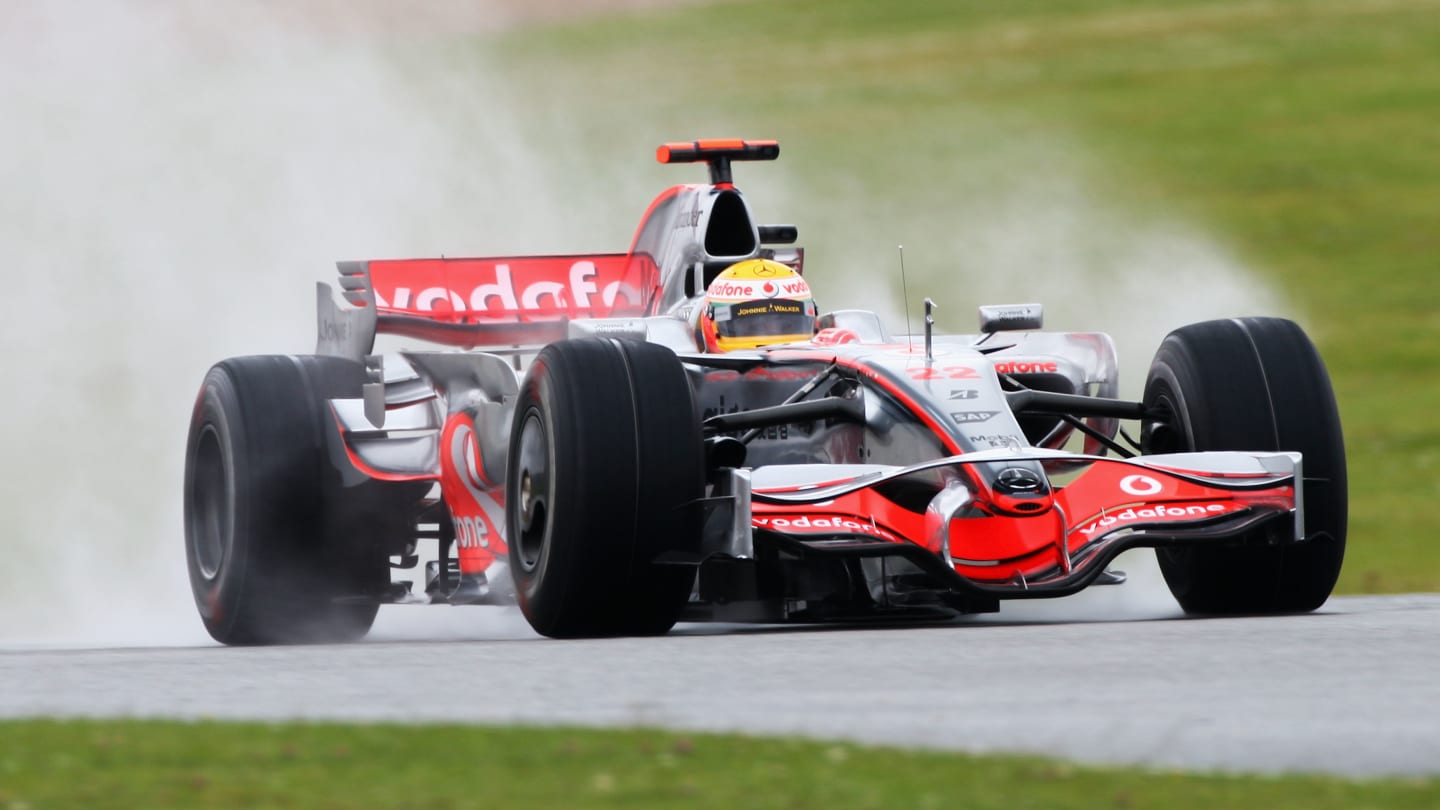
718, 152
711, 148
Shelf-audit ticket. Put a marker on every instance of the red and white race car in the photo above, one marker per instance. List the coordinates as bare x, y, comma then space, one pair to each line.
571, 429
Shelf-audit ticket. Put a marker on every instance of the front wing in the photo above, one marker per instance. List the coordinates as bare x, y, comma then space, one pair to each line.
950, 520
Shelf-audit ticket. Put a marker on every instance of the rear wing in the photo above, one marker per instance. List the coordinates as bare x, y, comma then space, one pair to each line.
495, 302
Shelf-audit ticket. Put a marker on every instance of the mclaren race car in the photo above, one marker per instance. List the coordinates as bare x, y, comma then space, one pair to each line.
570, 444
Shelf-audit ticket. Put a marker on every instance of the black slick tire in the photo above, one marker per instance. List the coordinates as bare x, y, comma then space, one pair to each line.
604, 475
271, 553
1252, 384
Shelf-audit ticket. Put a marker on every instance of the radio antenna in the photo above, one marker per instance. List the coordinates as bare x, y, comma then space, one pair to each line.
929, 329
905, 291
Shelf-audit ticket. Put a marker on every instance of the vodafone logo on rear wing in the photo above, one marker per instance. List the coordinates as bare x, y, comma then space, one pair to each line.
511, 288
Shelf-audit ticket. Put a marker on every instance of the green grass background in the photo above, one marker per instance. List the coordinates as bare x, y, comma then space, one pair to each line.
1302, 135
84, 764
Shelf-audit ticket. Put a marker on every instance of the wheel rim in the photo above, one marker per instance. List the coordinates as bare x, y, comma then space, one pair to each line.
536, 488
209, 526
1166, 434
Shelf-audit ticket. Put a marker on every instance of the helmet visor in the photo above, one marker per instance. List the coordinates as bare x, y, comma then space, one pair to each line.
766, 318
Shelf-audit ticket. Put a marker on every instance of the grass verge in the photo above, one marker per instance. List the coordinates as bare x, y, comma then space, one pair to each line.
54, 764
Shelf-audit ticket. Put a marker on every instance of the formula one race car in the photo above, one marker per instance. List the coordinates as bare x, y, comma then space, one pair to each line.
576, 431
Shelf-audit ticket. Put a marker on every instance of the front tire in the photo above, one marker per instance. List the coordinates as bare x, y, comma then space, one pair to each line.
605, 472
1252, 384
273, 554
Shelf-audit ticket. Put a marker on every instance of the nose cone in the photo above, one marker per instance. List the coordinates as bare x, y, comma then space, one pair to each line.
1020, 481
1021, 491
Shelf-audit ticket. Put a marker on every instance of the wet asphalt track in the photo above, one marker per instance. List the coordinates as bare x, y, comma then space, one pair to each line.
1352, 689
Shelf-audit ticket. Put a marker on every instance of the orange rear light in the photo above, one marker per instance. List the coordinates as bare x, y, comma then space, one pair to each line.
717, 148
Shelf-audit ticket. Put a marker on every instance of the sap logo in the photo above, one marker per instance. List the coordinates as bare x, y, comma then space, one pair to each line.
1017, 367
964, 417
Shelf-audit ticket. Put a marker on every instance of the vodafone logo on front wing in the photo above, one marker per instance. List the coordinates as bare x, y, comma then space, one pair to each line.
1159, 514
821, 524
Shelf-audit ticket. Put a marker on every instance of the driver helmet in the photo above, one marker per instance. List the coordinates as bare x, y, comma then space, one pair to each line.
757, 302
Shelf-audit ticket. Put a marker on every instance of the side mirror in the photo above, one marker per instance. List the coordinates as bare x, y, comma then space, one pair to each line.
1011, 317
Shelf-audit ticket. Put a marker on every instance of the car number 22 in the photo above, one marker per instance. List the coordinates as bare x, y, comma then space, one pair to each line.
943, 373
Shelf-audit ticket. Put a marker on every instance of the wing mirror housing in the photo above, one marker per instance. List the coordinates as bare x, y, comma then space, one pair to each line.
1011, 317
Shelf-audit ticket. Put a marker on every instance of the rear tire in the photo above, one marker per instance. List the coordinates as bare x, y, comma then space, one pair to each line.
605, 471
270, 543
1252, 384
